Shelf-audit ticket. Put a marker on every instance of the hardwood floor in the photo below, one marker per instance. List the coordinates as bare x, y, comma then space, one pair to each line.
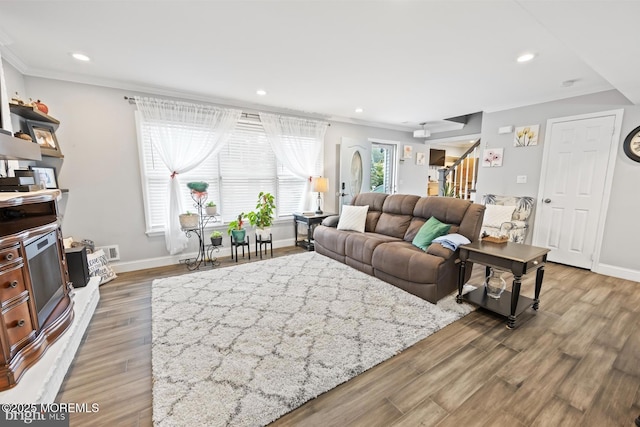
574, 362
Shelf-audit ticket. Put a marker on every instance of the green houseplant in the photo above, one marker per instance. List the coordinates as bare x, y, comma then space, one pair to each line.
211, 208
216, 238
236, 228
262, 217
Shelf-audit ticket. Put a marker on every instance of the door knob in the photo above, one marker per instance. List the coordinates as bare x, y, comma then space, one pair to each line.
547, 200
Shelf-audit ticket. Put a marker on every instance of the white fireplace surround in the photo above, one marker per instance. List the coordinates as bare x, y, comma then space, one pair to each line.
41, 382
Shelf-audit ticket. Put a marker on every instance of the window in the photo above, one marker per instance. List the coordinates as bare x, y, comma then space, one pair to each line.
383, 167
245, 166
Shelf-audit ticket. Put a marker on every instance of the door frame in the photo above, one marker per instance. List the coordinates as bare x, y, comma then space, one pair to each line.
608, 180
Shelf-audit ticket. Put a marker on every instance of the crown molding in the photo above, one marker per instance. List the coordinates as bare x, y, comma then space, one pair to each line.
144, 90
8, 55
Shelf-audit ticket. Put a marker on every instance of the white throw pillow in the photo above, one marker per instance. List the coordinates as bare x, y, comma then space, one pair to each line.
496, 215
353, 218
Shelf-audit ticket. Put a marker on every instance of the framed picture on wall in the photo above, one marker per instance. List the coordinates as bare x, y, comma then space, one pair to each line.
407, 152
420, 159
44, 135
46, 175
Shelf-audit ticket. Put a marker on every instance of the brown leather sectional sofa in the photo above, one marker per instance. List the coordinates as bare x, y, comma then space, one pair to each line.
385, 251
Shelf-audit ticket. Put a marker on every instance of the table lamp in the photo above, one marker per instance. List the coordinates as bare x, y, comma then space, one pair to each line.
319, 185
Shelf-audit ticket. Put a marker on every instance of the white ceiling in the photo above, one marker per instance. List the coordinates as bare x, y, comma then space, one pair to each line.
403, 62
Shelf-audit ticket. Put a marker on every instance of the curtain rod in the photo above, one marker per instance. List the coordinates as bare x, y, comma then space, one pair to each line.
246, 115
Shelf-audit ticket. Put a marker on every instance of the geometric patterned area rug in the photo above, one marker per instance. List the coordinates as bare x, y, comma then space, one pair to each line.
244, 345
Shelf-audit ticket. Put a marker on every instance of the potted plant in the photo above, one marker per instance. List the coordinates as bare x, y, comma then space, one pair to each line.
189, 220
262, 217
211, 208
216, 238
236, 228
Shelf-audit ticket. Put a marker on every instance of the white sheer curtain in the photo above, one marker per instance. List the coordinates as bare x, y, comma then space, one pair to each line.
298, 144
184, 135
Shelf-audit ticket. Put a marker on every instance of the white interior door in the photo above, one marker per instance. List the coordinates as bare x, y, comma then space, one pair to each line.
355, 169
577, 156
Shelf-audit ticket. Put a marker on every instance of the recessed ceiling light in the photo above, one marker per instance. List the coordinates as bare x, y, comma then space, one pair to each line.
526, 57
569, 83
81, 57
472, 141
261, 92
359, 110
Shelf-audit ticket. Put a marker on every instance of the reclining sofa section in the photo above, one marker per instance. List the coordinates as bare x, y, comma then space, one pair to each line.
385, 250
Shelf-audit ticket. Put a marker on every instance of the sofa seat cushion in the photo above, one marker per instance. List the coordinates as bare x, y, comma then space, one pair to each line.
331, 238
406, 262
360, 247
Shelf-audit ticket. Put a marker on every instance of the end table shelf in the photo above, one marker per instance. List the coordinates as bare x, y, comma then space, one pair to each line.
501, 305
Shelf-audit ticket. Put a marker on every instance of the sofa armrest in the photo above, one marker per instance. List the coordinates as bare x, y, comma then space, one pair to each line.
436, 249
331, 221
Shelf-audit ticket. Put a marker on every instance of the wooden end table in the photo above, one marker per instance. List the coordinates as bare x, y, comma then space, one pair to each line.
311, 220
515, 257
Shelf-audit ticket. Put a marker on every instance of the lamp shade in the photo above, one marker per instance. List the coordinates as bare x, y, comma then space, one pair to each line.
319, 184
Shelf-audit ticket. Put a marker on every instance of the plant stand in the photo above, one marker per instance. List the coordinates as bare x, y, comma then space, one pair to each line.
235, 244
205, 252
267, 242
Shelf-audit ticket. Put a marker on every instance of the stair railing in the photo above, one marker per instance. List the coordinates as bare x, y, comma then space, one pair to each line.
459, 179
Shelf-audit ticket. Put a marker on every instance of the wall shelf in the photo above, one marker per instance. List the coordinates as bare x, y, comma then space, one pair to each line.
12, 148
30, 113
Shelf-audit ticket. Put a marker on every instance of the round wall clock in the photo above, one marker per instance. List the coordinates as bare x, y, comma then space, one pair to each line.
631, 145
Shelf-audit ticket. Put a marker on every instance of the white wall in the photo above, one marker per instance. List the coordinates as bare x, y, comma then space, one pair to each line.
620, 234
97, 136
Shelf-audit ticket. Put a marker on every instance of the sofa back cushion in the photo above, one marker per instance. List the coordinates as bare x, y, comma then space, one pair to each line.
448, 210
396, 215
375, 201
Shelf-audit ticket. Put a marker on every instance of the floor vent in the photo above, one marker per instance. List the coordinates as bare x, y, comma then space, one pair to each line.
112, 252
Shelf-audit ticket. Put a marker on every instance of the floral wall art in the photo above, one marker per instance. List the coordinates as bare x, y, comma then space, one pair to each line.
408, 152
420, 159
492, 157
526, 135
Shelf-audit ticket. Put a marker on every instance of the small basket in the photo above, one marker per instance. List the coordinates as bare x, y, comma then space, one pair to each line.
494, 239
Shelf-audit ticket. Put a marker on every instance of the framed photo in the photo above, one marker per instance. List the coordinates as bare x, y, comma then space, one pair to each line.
526, 136
408, 152
44, 135
46, 175
420, 159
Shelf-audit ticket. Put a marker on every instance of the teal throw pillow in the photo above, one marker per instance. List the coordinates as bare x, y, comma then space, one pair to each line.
429, 231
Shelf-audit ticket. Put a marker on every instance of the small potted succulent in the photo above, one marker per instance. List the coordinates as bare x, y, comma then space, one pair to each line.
236, 228
189, 220
216, 238
211, 208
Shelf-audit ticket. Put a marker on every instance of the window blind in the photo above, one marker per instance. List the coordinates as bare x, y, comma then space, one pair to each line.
244, 167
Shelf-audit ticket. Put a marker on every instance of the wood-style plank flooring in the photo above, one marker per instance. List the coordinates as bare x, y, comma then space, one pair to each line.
576, 362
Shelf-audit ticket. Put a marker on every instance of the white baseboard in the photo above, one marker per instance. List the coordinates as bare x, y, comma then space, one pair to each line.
619, 272
142, 264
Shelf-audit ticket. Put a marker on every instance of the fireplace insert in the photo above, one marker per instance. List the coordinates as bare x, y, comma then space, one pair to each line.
43, 260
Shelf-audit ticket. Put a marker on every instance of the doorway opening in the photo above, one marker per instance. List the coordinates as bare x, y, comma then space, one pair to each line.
383, 167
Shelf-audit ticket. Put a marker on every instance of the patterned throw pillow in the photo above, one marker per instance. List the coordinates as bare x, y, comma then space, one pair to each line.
353, 218
99, 266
